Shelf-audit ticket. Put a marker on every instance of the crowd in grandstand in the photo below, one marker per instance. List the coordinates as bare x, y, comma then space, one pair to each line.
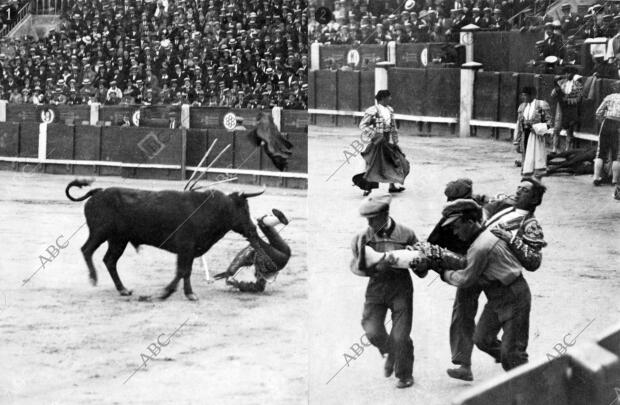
242, 54
378, 22
564, 36
368, 22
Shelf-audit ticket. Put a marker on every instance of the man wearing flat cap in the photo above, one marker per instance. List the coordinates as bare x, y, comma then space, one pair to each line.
458, 189
500, 248
499, 212
388, 288
385, 162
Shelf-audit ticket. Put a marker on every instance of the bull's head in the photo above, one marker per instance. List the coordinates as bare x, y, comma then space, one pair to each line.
242, 224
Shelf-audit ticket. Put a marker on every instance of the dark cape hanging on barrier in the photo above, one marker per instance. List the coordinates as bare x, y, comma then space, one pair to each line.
267, 135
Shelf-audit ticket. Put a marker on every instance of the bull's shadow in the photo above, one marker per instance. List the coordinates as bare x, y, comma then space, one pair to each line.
187, 223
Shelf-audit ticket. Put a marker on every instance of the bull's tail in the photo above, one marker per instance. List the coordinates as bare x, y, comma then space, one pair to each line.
80, 183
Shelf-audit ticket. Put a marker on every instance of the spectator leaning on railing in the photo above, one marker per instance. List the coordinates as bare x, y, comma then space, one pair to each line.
166, 52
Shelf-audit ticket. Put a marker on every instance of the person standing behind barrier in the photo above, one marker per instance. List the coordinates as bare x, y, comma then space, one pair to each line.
385, 162
568, 92
608, 148
531, 111
388, 288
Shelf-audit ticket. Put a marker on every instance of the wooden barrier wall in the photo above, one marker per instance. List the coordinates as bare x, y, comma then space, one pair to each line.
496, 97
508, 51
146, 116
421, 55
430, 92
359, 57
152, 152
433, 95
588, 374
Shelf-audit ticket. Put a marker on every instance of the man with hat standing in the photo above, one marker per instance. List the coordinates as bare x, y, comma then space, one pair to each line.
501, 23
388, 288
570, 22
568, 93
478, 20
385, 162
553, 44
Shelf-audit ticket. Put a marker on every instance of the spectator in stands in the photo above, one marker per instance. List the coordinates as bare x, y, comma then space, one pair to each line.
478, 19
570, 22
158, 42
426, 21
501, 23
567, 94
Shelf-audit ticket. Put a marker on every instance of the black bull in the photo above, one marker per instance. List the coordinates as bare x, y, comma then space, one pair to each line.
187, 223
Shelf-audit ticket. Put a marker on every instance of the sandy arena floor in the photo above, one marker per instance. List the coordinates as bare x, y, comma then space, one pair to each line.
577, 283
63, 341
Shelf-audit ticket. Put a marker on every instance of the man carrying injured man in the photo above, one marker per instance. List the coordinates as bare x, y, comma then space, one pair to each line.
277, 250
388, 287
517, 227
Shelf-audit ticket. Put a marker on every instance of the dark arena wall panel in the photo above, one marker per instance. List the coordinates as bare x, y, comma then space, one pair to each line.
326, 88
408, 88
9, 139
486, 96
246, 154
87, 143
443, 94
367, 88
348, 91
508, 95
29, 139
60, 141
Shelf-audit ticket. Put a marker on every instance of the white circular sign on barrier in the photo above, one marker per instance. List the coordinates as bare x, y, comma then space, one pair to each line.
135, 118
353, 57
424, 57
230, 121
47, 116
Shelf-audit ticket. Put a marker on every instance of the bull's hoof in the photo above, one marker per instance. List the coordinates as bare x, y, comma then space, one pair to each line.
93, 281
165, 294
125, 292
192, 297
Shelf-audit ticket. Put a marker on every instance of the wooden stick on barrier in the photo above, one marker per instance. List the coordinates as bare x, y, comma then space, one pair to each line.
208, 167
183, 152
204, 158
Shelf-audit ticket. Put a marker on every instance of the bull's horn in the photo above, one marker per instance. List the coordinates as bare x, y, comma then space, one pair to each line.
250, 195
